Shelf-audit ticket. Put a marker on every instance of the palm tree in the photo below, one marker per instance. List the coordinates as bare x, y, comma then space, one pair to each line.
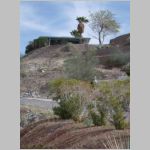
80, 27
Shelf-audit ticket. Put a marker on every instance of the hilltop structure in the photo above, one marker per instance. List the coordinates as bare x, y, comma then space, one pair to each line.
65, 40
47, 41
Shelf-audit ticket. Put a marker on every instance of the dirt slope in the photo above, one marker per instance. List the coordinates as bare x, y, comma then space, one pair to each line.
44, 64
66, 134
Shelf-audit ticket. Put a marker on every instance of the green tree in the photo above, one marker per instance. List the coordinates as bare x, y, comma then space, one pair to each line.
103, 23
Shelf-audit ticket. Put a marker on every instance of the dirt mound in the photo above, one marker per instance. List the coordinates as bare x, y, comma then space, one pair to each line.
64, 134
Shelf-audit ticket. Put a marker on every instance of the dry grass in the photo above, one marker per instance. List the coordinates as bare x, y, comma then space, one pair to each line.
117, 140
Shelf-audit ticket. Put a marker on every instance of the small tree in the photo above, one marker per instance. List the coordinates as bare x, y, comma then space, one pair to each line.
103, 23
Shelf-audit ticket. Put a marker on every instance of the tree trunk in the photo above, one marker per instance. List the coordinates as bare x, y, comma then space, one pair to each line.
99, 38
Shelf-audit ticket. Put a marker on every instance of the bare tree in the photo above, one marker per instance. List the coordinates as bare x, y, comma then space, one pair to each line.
103, 23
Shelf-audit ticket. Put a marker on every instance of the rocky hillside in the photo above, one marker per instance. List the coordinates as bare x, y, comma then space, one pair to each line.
44, 64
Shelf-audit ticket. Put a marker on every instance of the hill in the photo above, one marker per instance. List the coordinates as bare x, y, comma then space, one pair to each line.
40, 66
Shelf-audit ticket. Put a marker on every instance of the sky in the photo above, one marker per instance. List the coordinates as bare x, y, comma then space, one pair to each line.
55, 18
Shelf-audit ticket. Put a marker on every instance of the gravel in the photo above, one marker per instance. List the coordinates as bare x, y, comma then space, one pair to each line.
43, 103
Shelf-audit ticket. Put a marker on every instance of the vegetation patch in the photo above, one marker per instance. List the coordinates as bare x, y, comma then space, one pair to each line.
114, 101
117, 59
81, 66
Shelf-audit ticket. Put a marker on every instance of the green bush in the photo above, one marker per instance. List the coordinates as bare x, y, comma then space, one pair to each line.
62, 87
118, 115
115, 89
102, 117
72, 95
98, 118
36, 43
95, 118
111, 100
119, 121
114, 100
69, 108
117, 59
75, 33
81, 66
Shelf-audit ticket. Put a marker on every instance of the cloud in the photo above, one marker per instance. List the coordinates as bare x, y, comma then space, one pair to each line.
29, 20
59, 18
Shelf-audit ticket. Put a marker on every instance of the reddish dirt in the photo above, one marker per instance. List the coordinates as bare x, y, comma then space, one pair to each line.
61, 134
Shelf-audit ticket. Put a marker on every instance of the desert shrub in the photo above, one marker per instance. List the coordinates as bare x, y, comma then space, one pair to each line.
119, 121
75, 33
102, 117
64, 87
113, 101
98, 116
70, 107
118, 115
116, 59
95, 118
68, 47
54, 87
126, 69
72, 95
117, 140
115, 89
81, 66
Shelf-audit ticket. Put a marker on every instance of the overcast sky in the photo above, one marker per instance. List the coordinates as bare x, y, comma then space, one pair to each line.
59, 18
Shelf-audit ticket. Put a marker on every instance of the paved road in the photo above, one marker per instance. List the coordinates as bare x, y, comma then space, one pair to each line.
43, 103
